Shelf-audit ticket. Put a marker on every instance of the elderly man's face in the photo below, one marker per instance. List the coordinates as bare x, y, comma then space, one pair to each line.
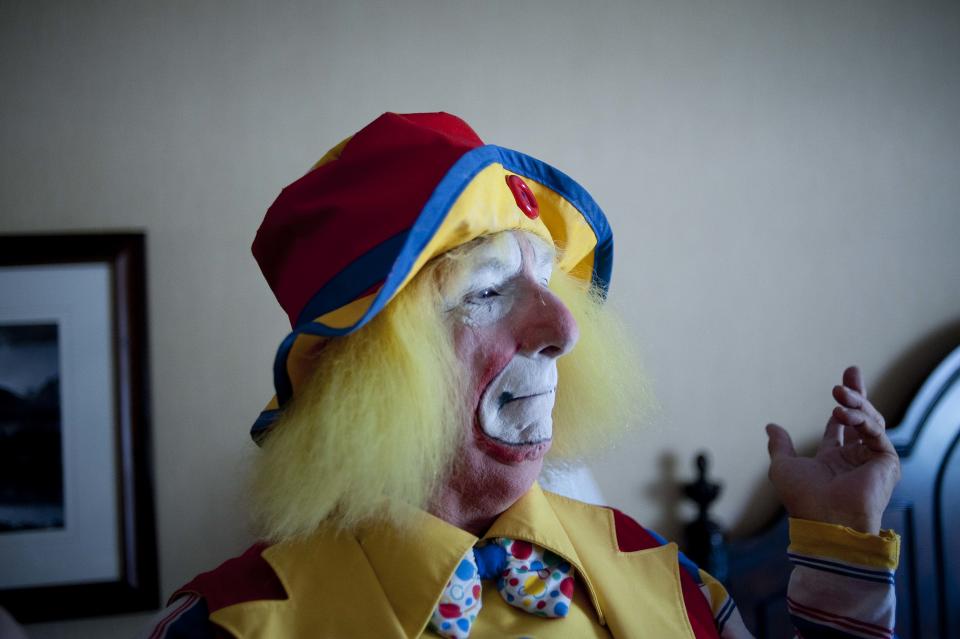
509, 329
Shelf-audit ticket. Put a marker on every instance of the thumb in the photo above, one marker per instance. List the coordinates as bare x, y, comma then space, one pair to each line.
779, 443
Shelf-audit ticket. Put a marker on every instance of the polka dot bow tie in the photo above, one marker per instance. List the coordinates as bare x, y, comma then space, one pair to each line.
527, 576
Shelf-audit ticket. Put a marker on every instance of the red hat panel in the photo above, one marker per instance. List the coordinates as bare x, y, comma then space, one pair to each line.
379, 184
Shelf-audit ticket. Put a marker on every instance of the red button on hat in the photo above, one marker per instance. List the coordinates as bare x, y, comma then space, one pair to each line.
525, 198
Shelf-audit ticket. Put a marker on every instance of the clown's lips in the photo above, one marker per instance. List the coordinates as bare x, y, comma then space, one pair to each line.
523, 427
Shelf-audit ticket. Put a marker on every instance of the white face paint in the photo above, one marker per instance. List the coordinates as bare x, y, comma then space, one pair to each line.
474, 289
497, 291
516, 408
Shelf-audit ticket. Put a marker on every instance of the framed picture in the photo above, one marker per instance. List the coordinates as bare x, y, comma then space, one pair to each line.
77, 535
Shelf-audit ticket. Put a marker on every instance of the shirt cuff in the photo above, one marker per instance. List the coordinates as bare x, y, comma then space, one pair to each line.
820, 539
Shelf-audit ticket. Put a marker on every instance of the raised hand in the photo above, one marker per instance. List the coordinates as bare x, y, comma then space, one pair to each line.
850, 479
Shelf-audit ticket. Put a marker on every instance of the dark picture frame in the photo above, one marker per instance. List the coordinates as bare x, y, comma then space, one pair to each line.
135, 584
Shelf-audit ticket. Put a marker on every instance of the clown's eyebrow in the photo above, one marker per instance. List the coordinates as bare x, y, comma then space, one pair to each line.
546, 257
495, 265
544, 253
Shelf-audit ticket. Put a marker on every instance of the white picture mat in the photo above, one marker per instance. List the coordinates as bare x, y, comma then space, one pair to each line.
78, 298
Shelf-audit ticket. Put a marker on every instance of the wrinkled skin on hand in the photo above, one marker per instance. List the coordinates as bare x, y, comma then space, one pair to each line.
852, 475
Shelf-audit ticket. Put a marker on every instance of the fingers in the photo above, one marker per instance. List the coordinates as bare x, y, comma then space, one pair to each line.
852, 378
864, 423
832, 435
868, 429
779, 443
852, 399
856, 410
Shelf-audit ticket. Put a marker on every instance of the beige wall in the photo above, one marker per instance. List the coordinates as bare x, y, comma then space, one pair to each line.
783, 179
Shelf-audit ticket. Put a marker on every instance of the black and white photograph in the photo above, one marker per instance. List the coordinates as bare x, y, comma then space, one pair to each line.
31, 455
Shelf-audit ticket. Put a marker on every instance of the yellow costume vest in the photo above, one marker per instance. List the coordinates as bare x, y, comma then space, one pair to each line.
385, 583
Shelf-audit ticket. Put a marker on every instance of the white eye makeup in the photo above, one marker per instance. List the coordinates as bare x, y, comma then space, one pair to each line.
482, 284
544, 256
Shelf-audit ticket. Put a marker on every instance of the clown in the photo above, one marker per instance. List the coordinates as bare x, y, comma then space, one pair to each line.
448, 337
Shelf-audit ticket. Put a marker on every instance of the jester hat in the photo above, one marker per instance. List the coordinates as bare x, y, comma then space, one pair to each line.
339, 243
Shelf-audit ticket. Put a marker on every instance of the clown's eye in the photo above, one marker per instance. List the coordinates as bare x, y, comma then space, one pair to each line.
484, 295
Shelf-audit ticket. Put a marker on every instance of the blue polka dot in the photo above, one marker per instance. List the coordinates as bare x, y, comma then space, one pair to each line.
445, 625
469, 601
536, 566
560, 609
509, 597
463, 624
554, 593
564, 567
465, 570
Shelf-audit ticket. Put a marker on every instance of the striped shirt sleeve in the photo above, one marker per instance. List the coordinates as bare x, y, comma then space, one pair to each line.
842, 581
726, 617
184, 618
841, 586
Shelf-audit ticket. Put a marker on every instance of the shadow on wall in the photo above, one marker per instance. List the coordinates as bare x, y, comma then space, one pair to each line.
667, 494
896, 387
